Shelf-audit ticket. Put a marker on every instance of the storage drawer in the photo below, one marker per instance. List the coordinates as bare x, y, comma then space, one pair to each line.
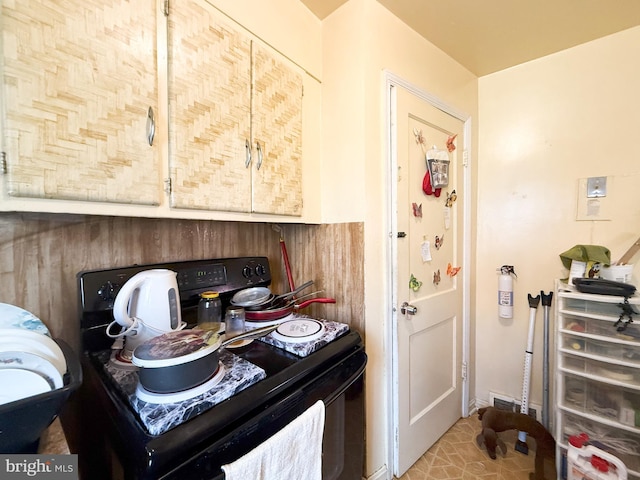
607, 371
602, 348
602, 328
592, 397
591, 307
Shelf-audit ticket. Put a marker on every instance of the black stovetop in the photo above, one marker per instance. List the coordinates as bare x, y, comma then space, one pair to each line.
283, 371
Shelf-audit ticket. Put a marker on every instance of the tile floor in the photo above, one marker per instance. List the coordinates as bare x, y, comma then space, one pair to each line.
457, 456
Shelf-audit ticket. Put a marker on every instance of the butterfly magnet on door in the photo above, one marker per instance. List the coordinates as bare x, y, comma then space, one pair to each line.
452, 271
451, 198
417, 210
436, 277
414, 283
450, 145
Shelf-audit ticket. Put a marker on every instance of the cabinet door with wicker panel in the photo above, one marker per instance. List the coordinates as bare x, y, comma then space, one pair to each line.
235, 118
276, 126
80, 88
209, 81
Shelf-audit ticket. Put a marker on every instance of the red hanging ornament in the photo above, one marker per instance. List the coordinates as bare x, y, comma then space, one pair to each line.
426, 186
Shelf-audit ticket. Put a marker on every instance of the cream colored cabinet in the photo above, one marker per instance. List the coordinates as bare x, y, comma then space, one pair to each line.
80, 91
598, 374
146, 108
235, 121
276, 128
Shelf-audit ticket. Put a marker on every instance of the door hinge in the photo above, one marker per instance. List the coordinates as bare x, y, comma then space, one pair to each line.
166, 8
464, 370
3, 163
167, 186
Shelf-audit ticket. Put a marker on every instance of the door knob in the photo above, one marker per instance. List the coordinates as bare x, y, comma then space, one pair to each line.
407, 309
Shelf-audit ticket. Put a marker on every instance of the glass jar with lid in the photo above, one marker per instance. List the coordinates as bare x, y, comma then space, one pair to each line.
210, 311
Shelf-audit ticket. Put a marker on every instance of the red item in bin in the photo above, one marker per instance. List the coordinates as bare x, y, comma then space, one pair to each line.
579, 440
599, 464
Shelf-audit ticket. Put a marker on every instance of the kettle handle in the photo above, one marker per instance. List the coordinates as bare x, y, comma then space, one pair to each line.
121, 302
133, 328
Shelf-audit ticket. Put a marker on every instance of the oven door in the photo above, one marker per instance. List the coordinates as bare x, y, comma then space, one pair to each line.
341, 390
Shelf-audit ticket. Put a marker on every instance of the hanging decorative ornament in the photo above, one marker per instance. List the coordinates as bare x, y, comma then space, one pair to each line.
438, 242
414, 283
436, 277
450, 145
417, 209
427, 188
452, 271
451, 198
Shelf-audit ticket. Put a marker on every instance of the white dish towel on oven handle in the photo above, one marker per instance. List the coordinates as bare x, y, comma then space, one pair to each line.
293, 453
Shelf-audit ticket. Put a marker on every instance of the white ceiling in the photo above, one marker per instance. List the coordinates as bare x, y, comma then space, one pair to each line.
486, 36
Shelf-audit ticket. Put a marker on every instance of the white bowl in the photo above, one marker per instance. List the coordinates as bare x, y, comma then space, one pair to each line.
19, 384
15, 317
17, 340
34, 363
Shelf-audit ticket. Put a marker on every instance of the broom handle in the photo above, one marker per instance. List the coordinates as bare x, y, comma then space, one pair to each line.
629, 253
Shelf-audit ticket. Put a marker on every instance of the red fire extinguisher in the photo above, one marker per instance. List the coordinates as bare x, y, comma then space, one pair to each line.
505, 291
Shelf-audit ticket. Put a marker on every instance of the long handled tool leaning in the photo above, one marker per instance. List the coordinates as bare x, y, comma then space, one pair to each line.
546, 303
521, 444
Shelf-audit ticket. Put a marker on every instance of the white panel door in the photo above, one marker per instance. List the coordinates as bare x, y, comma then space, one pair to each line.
429, 350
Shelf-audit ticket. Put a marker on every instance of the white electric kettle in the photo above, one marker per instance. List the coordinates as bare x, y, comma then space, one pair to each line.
147, 305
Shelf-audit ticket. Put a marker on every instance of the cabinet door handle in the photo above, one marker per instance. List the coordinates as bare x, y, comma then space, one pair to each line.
247, 149
151, 126
259, 148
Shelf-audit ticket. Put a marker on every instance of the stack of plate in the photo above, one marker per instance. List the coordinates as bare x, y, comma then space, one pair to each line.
252, 297
31, 362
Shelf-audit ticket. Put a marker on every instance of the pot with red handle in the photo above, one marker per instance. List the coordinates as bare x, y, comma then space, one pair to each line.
278, 313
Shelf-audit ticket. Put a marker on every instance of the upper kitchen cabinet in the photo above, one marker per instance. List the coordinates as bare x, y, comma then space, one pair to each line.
235, 121
80, 92
276, 130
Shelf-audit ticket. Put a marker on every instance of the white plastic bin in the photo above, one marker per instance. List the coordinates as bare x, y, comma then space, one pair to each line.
587, 462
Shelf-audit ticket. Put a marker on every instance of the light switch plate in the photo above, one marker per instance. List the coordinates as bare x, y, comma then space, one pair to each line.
593, 208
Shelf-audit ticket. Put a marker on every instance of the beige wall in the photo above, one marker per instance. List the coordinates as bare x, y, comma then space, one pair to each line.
544, 125
361, 40
286, 25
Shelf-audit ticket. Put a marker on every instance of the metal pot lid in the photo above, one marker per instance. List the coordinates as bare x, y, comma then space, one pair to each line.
300, 330
175, 348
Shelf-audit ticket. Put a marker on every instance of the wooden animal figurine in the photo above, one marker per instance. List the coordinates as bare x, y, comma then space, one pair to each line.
495, 420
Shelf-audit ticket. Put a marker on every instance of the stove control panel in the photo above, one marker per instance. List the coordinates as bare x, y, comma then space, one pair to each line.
99, 288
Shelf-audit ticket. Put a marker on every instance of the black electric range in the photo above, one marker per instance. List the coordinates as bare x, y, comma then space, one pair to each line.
265, 385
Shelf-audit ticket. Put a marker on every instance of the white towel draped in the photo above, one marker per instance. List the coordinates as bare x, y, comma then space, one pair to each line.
293, 453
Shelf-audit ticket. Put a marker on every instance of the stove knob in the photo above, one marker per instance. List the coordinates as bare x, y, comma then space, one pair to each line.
260, 270
107, 291
247, 272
